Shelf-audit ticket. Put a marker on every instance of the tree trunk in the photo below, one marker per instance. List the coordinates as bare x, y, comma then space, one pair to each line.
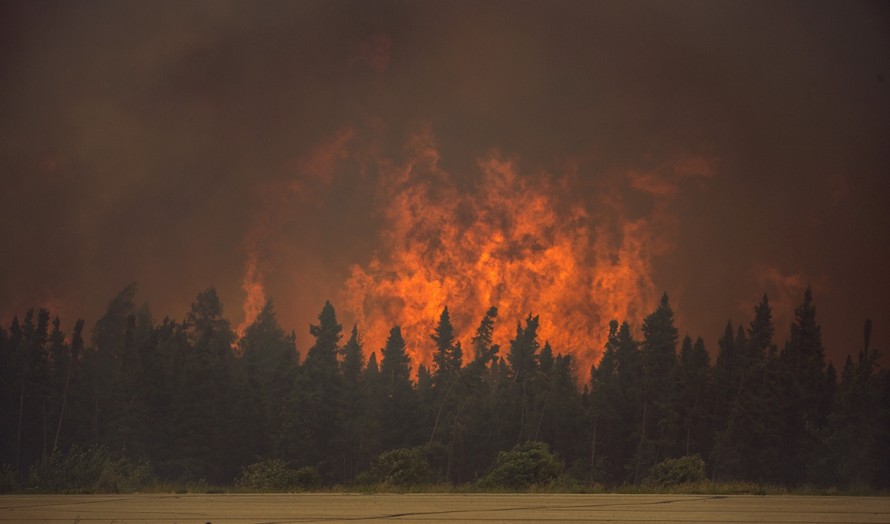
640, 444
62, 410
18, 456
541, 418
593, 449
45, 430
439, 413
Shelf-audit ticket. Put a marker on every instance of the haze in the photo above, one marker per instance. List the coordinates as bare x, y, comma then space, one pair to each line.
361, 151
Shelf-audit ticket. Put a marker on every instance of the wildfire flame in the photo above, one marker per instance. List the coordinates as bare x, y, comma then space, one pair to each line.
525, 244
252, 284
518, 243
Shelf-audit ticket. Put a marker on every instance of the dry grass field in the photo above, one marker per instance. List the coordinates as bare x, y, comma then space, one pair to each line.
436, 507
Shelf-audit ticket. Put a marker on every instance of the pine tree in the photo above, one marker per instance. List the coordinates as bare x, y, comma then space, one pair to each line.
448, 393
66, 364
523, 361
354, 404
615, 404
399, 413
477, 449
270, 360
204, 396
852, 439
484, 352
108, 371
31, 357
315, 432
693, 392
561, 420
658, 420
523, 350
8, 391
370, 422
804, 390
448, 357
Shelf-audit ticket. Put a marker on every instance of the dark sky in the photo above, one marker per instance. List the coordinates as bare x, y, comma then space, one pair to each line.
714, 150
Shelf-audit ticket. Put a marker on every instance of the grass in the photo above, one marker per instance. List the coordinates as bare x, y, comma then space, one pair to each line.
563, 485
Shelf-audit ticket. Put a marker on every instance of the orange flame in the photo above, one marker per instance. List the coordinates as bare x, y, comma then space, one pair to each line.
252, 284
519, 243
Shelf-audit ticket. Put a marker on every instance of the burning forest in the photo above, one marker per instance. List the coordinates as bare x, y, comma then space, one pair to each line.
585, 232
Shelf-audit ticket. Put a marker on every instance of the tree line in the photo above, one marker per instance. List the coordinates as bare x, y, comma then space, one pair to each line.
196, 402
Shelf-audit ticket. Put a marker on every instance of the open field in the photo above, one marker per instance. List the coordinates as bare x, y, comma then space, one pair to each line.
436, 507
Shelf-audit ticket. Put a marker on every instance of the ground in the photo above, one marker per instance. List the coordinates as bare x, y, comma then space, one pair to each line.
438, 507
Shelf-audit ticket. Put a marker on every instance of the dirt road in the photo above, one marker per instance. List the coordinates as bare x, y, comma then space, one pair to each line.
245, 508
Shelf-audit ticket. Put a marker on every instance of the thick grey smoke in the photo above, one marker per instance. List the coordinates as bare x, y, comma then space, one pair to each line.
163, 141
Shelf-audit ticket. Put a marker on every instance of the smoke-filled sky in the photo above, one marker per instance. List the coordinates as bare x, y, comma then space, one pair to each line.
568, 159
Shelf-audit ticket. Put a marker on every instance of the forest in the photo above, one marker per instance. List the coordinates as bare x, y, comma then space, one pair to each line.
189, 401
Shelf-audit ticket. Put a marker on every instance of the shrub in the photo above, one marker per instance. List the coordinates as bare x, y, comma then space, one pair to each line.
276, 475
8, 479
527, 464
399, 467
88, 471
676, 471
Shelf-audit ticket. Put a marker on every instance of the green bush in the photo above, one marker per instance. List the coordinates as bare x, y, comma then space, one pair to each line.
527, 464
8, 479
676, 471
88, 471
276, 475
399, 467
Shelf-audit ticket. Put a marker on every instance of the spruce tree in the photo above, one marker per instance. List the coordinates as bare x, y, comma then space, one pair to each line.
399, 413
314, 436
270, 361
693, 392
658, 420
477, 448
204, 397
354, 404
523, 359
448, 357
804, 390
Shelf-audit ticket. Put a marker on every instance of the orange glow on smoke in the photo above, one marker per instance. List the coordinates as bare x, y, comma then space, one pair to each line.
516, 242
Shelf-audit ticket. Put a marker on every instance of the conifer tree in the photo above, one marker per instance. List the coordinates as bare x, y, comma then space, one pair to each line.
448, 357
478, 448
852, 443
484, 351
354, 404
658, 420
804, 389
108, 371
399, 413
371, 433
523, 361
615, 404
693, 391
561, 421
203, 397
67, 365
32, 424
448, 394
315, 430
270, 362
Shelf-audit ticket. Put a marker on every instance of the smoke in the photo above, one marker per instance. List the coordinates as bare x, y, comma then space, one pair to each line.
594, 154
283, 200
